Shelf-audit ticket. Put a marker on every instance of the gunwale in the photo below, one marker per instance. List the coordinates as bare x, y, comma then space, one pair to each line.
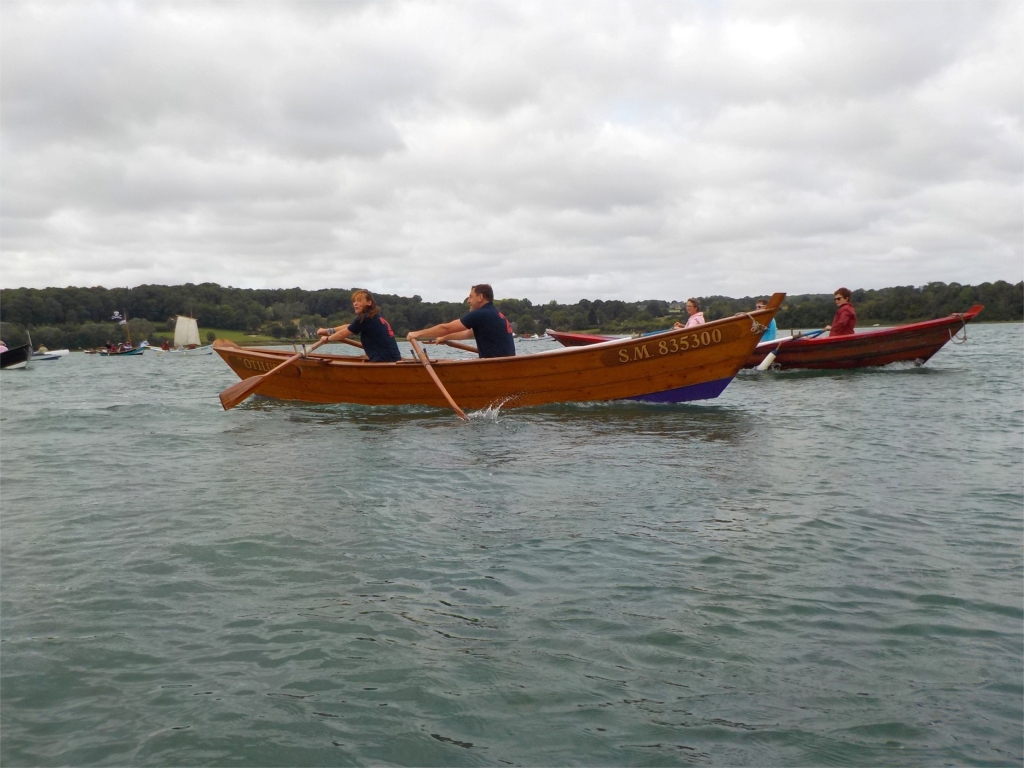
577, 374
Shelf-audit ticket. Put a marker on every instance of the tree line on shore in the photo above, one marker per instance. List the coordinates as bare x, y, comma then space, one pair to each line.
80, 317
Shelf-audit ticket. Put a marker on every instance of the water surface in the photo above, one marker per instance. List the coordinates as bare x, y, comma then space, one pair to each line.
816, 568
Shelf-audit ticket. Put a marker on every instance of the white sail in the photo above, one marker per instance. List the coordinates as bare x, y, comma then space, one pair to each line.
186, 332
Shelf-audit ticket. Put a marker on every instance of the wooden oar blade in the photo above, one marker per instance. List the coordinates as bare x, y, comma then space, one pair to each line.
238, 392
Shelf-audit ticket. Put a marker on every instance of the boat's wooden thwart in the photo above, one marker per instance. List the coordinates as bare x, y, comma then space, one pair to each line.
915, 342
676, 366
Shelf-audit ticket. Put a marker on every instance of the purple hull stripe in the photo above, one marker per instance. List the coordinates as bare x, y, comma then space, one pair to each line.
704, 391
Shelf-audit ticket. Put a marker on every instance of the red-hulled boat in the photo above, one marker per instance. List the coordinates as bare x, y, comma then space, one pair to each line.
567, 339
916, 343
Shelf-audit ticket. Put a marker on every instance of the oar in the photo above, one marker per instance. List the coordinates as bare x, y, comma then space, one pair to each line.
765, 364
426, 364
351, 342
236, 393
456, 345
463, 347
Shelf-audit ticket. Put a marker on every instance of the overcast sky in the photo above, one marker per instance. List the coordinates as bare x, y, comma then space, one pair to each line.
559, 150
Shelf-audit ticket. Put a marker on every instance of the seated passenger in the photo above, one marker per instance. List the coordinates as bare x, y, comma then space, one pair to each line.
846, 318
696, 316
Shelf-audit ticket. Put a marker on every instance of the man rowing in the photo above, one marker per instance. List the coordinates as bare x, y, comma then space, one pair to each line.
484, 322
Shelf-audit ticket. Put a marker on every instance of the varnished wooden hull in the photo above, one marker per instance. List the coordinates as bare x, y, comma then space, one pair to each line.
676, 366
913, 342
916, 342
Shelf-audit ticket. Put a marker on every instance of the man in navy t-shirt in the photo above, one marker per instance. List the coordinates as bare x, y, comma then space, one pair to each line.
484, 322
375, 333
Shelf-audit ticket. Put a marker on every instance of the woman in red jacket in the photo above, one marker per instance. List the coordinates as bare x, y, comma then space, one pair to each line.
846, 318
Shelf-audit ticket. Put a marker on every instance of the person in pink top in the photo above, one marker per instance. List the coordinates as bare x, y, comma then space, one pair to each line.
846, 318
696, 316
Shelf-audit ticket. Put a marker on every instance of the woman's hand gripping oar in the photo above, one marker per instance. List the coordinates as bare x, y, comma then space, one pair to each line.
426, 364
765, 364
236, 393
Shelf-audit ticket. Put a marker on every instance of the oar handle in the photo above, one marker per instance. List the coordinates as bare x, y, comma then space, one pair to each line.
350, 342
456, 345
809, 335
430, 369
463, 347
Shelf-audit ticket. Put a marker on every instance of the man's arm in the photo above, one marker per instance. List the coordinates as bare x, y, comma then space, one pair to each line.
466, 334
434, 331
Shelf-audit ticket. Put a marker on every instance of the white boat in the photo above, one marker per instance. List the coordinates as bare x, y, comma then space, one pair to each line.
49, 354
186, 339
534, 337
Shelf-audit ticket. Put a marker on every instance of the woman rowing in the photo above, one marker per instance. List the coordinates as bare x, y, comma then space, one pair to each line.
374, 331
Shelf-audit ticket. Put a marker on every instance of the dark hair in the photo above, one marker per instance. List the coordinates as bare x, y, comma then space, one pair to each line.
761, 301
695, 302
483, 290
374, 310
844, 292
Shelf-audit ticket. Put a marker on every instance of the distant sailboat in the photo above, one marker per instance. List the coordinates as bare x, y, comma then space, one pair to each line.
186, 338
125, 348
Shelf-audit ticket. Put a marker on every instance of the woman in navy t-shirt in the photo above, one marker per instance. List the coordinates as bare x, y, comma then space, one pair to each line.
374, 331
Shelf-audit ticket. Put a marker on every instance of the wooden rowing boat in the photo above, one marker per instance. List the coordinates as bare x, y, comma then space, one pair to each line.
916, 342
568, 339
677, 366
123, 352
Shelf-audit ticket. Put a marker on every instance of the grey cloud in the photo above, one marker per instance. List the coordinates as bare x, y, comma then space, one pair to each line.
561, 151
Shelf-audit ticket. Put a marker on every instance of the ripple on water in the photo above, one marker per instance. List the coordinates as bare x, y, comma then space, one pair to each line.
816, 568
